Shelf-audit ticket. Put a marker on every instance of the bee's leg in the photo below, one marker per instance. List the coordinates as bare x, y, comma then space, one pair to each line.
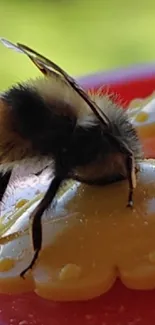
4, 180
41, 171
131, 179
36, 219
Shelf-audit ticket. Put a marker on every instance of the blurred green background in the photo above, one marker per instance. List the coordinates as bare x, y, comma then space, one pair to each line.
83, 36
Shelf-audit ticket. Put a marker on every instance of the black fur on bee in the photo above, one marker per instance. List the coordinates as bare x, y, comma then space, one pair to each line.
85, 137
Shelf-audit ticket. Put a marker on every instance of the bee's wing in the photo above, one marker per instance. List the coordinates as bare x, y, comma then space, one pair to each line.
11, 45
46, 67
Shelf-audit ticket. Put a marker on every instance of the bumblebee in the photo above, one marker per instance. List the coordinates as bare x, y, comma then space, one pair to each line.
84, 136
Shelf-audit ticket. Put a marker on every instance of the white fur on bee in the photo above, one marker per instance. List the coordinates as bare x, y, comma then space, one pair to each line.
32, 165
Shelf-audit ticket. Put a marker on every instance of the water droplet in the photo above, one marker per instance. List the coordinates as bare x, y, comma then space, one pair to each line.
142, 117
121, 309
70, 271
23, 322
88, 317
6, 264
94, 265
21, 203
30, 315
152, 257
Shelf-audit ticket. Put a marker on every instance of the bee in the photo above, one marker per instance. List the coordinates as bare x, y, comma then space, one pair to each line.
84, 136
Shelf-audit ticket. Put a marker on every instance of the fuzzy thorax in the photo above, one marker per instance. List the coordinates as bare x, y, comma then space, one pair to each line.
38, 119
